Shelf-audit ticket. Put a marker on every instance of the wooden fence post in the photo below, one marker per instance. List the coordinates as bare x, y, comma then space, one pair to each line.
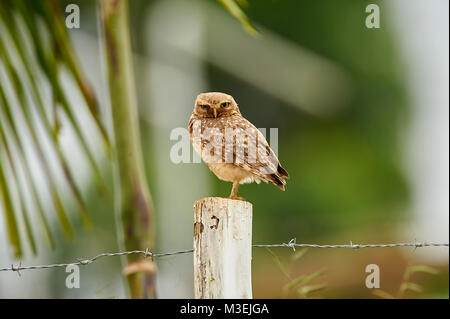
222, 248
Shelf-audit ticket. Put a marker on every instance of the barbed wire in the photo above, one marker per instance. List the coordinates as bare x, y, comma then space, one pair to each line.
293, 244
148, 254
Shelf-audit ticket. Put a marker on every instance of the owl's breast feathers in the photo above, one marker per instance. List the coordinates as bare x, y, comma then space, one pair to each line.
254, 162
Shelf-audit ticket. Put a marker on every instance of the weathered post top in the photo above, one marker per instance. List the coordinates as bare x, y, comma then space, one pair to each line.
222, 248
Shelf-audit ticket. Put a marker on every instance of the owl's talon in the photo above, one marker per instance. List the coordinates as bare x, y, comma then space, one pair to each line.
237, 198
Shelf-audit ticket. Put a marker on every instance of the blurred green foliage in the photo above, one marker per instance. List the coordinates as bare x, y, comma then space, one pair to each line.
346, 169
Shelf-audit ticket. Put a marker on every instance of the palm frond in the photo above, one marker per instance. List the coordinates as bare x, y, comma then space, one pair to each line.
34, 48
232, 6
11, 221
20, 191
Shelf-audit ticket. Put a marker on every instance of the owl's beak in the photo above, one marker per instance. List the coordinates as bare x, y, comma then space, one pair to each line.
215, 113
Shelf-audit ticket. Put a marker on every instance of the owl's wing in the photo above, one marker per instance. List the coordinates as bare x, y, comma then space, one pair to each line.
241, 144
206, 137
258, 157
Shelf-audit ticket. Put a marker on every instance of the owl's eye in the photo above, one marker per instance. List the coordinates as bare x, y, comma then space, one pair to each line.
225, 104
204, 106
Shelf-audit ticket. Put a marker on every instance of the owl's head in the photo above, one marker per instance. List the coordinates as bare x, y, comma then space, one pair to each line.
215, 104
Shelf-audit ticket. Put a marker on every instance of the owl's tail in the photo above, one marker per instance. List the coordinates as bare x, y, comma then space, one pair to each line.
279, 178
283, 173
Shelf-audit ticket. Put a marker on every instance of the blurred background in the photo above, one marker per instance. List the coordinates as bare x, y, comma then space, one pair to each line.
363, 129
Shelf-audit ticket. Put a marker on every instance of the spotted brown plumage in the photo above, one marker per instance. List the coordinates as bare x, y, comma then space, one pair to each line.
232, 147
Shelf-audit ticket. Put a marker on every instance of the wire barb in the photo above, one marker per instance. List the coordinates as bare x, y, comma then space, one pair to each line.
292, 243
17, 269
146, 253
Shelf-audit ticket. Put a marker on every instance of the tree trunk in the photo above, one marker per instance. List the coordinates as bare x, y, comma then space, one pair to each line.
135, 207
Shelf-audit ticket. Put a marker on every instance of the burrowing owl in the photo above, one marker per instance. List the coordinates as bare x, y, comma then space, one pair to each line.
232, 147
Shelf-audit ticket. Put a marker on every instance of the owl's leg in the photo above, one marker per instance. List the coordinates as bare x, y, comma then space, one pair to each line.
234, 190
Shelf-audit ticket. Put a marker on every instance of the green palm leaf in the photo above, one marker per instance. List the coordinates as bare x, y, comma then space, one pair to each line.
235, 10
34, 45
